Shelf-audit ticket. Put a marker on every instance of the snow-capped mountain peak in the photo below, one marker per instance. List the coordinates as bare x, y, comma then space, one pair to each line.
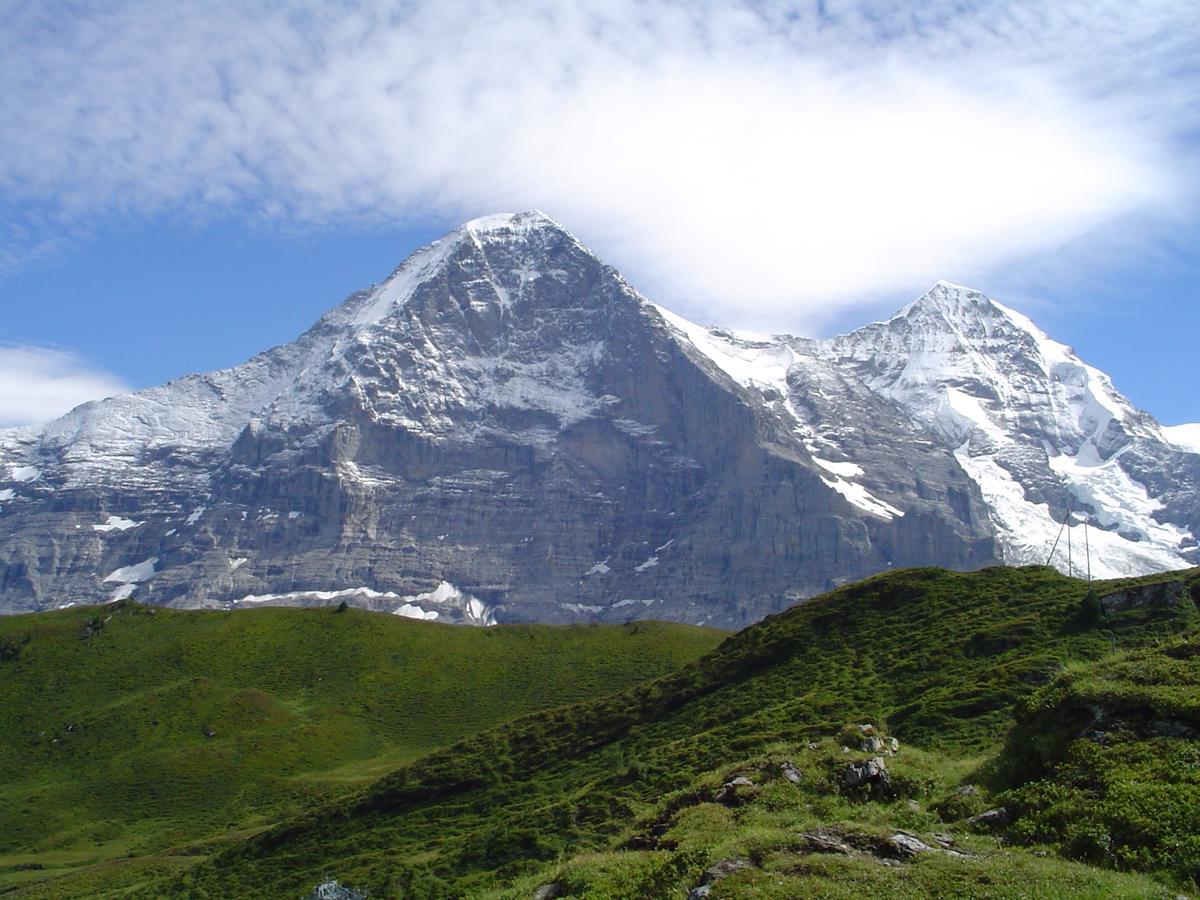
962, 360
1039, 430
504, 231
953, 302
507, 224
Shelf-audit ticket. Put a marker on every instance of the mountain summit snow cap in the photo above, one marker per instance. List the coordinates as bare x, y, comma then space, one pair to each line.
427, 262
502, 223
954, 303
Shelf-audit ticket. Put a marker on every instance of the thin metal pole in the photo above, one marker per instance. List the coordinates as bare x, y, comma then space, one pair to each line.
1055, 546
1088, 549
1056, 540
1070, 564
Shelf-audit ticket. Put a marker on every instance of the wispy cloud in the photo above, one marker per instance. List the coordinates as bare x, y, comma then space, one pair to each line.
38, 384
775, 161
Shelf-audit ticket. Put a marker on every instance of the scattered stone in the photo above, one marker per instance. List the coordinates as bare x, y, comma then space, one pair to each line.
913, 806
958, 854
549, 891
872, 773
992, 818
728, 794
943, 840
713, 874
905, 845
209, 731
813, 745
872, 745
967, 790
822, 842
867, 730
894, 745
333, 890
725, 868
790, 772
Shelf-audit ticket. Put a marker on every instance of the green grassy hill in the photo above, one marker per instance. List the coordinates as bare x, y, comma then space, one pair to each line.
617, 797
1105, 762
131, 736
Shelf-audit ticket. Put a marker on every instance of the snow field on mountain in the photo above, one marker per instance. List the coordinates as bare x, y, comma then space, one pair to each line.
1028, 531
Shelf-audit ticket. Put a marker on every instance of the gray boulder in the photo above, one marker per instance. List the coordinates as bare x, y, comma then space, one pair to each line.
872, 773
1164, 594
992, 818
905, 845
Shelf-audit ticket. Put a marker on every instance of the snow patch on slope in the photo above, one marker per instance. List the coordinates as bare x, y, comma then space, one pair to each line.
412, 611
478, 612
764, 363
600, 568
135, 573
750, 360
959, 414
1184, 437
116, 523
1027, 530
363, 593
841, 469
1118, 499
127, 578
859, 496
414, 272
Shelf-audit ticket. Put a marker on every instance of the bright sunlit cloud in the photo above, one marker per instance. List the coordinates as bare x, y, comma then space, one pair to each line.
757, 164
38, 384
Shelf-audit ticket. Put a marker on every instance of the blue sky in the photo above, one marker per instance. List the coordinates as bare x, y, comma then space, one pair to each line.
801, 167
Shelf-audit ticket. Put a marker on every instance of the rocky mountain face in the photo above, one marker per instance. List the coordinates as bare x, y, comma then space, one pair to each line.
504, 430
1040, 432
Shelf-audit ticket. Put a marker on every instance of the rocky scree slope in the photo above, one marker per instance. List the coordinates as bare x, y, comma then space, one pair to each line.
504, 430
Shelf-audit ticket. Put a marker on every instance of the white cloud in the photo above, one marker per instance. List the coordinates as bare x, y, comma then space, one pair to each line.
764, 162
38, 384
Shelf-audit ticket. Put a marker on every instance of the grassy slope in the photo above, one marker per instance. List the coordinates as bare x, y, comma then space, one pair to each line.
768, 823
1103, 767
1106, 762
103, 751
942, 657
